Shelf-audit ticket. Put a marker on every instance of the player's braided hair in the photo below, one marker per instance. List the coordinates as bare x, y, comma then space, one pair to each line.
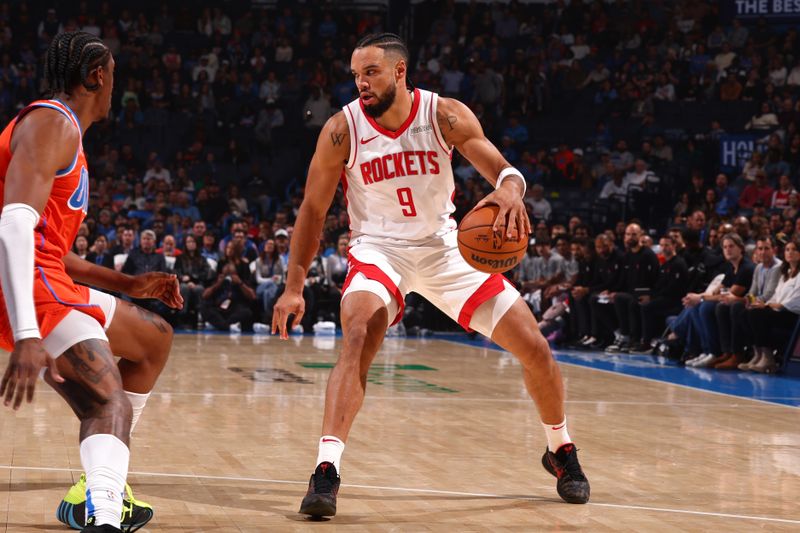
70, 58
387, 41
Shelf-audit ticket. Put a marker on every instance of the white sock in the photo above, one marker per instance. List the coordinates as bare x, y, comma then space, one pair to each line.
557, 435
330, 450
105, 460
138, 402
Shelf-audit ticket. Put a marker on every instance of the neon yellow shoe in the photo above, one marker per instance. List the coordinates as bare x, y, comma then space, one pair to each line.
72, 509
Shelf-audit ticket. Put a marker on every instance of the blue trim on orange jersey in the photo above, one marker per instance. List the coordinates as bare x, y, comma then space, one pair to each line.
67, 113
70, 168
71, 112
59, 300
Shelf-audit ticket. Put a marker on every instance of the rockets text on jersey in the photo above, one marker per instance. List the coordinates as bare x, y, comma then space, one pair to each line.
398, 184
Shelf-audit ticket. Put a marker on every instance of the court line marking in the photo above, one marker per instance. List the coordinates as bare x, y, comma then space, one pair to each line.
448, 399
615, 373
422, 491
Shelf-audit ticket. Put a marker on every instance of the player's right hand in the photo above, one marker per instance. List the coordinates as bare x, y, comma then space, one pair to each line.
19, 380
290, 303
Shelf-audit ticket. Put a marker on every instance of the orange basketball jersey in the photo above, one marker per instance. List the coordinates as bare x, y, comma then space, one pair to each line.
54, 292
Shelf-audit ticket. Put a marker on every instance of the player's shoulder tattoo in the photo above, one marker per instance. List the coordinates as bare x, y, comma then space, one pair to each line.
447, 118
338, 130
446, 115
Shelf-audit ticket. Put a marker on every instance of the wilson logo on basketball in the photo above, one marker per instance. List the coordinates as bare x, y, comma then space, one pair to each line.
494, 263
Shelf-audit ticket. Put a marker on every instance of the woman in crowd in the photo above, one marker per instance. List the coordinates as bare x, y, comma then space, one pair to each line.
81, 246
100, 254
773, 322
269, 275
336, 264
193, 273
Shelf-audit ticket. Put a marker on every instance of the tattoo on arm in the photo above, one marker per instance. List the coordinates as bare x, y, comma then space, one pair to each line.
451, 121
338, 138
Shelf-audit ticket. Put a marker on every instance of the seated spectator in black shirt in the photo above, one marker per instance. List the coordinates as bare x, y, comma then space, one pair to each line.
145, 259
639, 272
193, 273
607, 270
227, 302
665, 298
580, 327
701, 262
737, 275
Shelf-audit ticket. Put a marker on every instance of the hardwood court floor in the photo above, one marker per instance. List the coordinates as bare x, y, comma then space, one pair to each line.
447, 441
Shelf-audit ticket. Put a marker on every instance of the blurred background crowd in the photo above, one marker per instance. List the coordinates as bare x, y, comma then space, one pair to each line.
659, 140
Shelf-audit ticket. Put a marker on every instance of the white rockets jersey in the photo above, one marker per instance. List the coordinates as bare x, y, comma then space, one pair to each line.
398, 184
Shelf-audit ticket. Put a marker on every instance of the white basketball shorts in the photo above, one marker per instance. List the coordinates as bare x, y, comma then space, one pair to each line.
436, 271
77, 327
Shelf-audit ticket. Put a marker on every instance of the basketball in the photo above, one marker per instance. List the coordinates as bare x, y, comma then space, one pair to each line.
484, 249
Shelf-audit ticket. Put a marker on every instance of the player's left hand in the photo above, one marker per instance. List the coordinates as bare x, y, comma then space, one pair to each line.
512, 213
158, 285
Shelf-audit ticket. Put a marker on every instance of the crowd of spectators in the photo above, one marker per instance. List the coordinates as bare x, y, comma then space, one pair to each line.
612, 111
727, 300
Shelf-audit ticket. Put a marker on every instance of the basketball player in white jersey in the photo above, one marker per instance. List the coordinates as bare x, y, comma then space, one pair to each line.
392, 149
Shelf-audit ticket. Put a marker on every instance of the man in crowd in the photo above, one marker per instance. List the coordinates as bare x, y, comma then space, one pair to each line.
145, 259
639, 272
607, 270
665, 298
734, 329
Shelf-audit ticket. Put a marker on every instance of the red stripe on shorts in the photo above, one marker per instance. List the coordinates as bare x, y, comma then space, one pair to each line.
374, 273
488, 290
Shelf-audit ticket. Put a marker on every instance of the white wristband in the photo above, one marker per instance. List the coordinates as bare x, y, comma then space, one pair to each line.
511, 171
17, 224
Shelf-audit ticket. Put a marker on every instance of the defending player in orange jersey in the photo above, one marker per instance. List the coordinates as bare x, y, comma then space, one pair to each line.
394, 145
54, 326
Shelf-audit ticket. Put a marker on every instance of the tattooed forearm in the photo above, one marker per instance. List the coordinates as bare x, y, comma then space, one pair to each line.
338, 138
154, 319
91, 360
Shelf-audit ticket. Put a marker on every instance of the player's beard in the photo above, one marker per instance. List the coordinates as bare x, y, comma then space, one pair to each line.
385, 101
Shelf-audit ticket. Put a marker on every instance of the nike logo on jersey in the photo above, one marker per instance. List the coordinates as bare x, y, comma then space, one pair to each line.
368, 140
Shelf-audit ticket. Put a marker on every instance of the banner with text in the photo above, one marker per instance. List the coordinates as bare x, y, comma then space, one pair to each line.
775, 11
735, 150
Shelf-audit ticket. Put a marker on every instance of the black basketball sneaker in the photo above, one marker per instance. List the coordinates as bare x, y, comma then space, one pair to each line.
323, 486
572, 486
